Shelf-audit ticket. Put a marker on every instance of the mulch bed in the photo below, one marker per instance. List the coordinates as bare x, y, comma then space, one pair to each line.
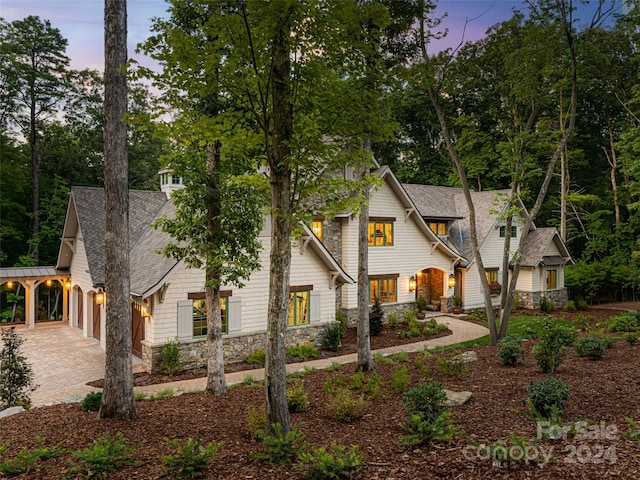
603, 392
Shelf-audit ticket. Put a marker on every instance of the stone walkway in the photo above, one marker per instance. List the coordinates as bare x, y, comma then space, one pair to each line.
63, 360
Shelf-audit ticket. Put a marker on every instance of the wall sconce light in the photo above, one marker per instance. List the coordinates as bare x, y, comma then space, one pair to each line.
452, 281
9, 284
48, 282
68, 284
100, 297
412, 283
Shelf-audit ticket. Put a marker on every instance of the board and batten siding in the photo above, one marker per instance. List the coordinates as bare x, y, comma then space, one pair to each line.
411, 251
248, 305
79, 270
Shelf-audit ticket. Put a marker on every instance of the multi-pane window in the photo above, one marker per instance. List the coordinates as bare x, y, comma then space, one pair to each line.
385, 289
438, 228
299, 306
200, 314
552, 279
316, 227
492, 274
514, 231
380, 233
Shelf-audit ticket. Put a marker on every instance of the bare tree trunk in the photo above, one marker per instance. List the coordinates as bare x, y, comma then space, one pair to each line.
275, 383
364, 357
216, 382
117, 399
613, 163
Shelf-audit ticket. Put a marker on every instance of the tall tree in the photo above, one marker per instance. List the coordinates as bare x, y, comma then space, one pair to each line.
117, 400
34, 73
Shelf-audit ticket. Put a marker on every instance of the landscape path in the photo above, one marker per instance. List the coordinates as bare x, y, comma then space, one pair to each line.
63, 360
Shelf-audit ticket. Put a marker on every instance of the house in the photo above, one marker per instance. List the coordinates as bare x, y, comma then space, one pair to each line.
544, 254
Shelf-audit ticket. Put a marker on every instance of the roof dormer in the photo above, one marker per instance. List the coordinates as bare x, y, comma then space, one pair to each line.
169, 182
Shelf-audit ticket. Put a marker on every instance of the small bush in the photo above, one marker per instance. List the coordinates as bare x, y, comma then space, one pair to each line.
357, 380
335, 366
376, 317
171, 356
421, 303
281, 448
400, 357
632, 338
400, 379
297, 399
623, 323
570, 306
392, 320
303, 350
452, 364
341, 318
428, 398
409, 317
591, 347
335, 462
555, 341
510, 350
26, 460
257, 356
91, 402
256, 420
332, 336
581, 304
104, 457
16, 374
422, 430
546, 305
373, 386
346, 406
380, 359
192, 460
547, 397
333, 384
414, 331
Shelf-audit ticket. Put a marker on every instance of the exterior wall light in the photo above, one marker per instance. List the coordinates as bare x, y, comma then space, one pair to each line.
412, 284
68, 284
9, 284
452, 281
100, 297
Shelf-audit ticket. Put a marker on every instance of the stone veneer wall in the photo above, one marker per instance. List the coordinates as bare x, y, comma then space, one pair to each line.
193, 353
352, 313
332, 240
531, 300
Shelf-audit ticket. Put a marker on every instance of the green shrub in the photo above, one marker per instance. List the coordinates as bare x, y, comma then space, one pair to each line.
591, 347
633, 432
452, 364
335, 366
106, 455
555, 341
632, 338
192, 460
257, 356
581, 304
26, 460
623, 323
303, 350
16, 374
570, 306
372, 387
357, 380
441, 327
171, 356
281, 448
510, 350
421, 303
256, 420
608, 340
547, 397
392, 320
400, 357
91, 402
297, 399
409, 317
380, 359
346, 406
333, 384
400, 379
428, 398
341, 318
376, 317
335, 462
414, 331
332, 336
546, 305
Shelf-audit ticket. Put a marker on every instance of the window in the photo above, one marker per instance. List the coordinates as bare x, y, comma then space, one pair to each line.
299, 305
175, 179
200, 312
384, 288
492, 274
380, 232
438, 228
316, 227
514, 231
552, 279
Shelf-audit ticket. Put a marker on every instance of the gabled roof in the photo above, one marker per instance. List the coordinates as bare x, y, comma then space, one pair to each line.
536, 244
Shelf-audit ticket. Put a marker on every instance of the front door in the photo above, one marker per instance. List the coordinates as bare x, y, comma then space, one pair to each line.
137, 329
80, 314
96, 319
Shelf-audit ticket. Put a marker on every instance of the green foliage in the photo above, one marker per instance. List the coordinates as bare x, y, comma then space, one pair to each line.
257, 356
427, 398
372, 387
26, 461
334, 462
106, 455
500, 451
335, 366
546, 305
332, 336
341, 318
91, 402
452, 364
581, 304
256, 420
422, 430
421, 303
400, 357
16, 374
297, 399
570, 306
547, 398
555, 341
400, 379
591, 347
303, 350
346, 406
631, 338
376, 317
633, 432
192, 460
357, 380
414, 331
381, 359
281, 448
392, 320
623, 323
171, 356
409, 318
510, 350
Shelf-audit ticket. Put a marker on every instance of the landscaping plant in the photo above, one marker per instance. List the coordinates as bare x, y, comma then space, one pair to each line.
91, 402
192, 460
171, 356
104, 457
281, 448
26, 460
16, 374
376, 317
555, 341
591, 347
547, 397
346, 406
334, 462
297, 399
510, 350
332, 336
303, 350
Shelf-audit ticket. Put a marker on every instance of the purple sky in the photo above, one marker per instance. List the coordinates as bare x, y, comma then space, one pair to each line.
81, 22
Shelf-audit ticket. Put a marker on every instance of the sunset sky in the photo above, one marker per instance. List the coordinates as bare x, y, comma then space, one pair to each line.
81, 22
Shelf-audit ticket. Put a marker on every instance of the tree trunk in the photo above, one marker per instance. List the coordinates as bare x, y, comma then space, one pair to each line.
216, 382
613, 163
364, 356
35, 185
117, 399
281, 228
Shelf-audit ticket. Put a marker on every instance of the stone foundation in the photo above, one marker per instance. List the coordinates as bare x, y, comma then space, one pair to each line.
193, 353
352, 314
531, 300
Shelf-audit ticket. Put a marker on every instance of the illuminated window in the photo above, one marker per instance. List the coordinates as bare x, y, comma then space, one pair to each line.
492, 274
552, 279
299, 307
385, 289
438, 228
317, 229
380, 233
514, 231
200, 312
